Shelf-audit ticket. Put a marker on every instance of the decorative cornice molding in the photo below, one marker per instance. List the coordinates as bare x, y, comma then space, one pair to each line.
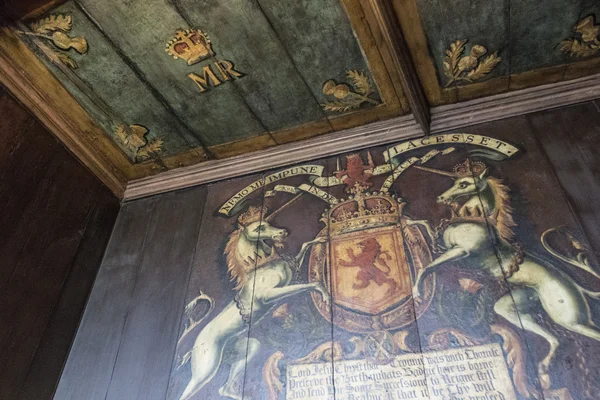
444, 118
374, 134
515, 103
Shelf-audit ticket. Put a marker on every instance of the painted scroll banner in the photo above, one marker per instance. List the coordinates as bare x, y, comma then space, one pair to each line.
467, 373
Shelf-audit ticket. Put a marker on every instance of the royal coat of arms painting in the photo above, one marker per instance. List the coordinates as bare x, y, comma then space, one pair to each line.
423, 270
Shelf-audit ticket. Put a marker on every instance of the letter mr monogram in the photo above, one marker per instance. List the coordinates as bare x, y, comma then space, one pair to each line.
193, 46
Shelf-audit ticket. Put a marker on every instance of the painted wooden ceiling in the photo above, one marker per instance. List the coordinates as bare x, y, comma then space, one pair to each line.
464, 49
209, 79
177, 82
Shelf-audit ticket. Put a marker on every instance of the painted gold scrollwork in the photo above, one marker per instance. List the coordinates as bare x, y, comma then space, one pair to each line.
443, 338
272, 376
271, 372
324, 352
54, 29
586, 41
515, 358
461, 68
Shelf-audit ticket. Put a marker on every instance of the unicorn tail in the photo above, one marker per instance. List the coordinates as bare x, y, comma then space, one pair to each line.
194, 323
563, 258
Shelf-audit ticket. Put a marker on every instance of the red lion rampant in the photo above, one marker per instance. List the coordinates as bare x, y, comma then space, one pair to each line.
356, 172
369, 272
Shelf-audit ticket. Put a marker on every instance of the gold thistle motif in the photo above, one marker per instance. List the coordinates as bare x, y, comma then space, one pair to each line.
348, 99
133, 137
191, 45
586, 41
469, 68
54, 28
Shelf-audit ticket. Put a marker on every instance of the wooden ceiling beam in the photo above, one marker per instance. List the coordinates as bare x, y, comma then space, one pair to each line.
386, 17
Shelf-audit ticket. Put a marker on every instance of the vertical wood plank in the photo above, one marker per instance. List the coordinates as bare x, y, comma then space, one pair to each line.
46, 197
210, 276
50, 227
44, 371
149, 337
570, 137
539, 204
88, 370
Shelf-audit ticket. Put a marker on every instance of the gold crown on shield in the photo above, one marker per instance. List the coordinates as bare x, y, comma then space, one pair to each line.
362, 211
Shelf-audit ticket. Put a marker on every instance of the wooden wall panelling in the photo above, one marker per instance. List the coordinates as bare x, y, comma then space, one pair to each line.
53, 349
570, 138
147, 343
459, 310
49, 201
209, 276
384, 324
298, 329
36, 259
153, 24
88, 371
517, 311
539, 204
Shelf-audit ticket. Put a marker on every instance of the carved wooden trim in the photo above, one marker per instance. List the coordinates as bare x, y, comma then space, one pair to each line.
326, 145
16, 71
390, 26
443, 118
59, 125
514, 103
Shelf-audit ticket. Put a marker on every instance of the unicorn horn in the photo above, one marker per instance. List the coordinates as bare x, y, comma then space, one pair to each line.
283, 207
436, 171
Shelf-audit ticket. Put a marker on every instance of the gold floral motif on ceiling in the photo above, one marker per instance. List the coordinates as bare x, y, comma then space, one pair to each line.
586, 41
55, 29
461, 68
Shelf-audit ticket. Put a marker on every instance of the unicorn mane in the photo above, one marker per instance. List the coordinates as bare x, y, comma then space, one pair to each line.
237, 267
502, 215
239, 264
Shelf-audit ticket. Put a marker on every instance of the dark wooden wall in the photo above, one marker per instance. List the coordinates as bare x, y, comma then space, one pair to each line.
570, 137
56, 220
125, 345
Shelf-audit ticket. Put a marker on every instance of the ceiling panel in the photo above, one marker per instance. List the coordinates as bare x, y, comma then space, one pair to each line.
140, 30
169, 83
465, 49
536, 32
111, 91
448, 21
200, 79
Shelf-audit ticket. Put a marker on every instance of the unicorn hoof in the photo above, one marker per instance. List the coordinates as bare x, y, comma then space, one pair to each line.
231, 393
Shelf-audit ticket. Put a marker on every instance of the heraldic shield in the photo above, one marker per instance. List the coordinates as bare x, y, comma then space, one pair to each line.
369, 264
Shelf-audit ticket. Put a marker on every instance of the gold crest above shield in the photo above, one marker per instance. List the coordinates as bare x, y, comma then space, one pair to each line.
369, 263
